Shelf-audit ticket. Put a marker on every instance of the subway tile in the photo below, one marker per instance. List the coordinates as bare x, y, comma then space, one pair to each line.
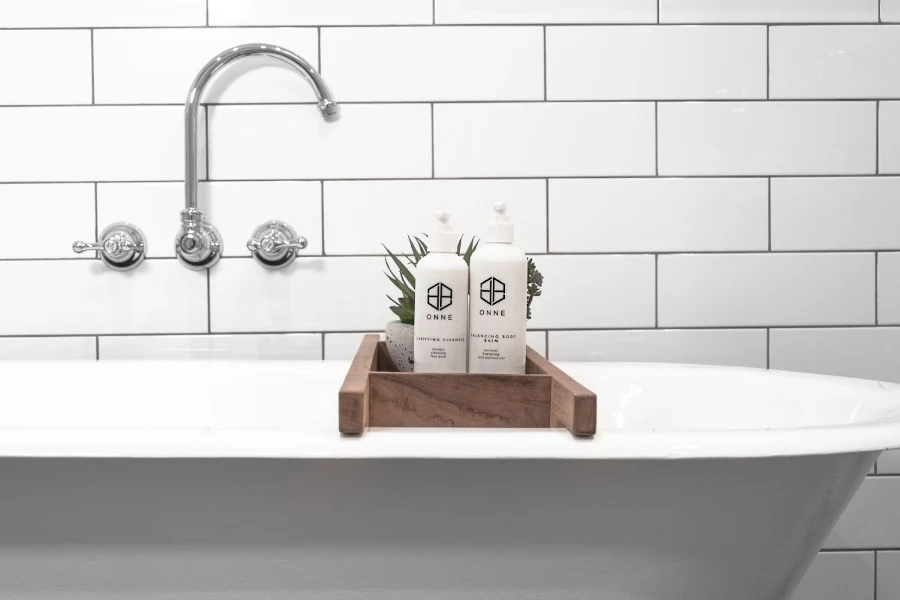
888, 583
868, 353
871, 521
537, 340
312, 294
834, 61
658, 215
48, 348
734, 290
889, 463
545, 11
291, 346
889, 288
343, 346
729, 347
889, 137
85, 297
93, 143
890, 11
156, 66
45, 67
235, 208
381, 211
103, 13
768, 11
578, 292
313, 12
543, 139
839, 576
66, 213
766, 138
434, 63
376, 141
656, 63
835, 213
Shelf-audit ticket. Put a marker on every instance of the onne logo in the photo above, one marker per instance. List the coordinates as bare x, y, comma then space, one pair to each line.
493, 291
440, 296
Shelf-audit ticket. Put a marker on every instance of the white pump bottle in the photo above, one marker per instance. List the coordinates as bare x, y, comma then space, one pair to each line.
442, 308
498, 308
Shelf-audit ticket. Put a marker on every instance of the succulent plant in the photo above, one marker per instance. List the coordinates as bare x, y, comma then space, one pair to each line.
405, 280
535, 281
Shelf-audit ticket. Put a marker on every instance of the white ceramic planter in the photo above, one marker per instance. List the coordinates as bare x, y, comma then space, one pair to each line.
399, 337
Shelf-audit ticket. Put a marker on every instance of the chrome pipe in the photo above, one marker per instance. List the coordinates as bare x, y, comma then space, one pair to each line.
198, 244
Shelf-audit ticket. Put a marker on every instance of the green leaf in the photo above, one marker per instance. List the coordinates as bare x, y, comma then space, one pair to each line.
404, 270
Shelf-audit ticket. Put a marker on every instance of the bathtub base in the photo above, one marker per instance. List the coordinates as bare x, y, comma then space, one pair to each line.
136, 529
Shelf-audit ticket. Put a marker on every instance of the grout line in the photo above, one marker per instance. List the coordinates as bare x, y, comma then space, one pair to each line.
880, 2
322, 339
768, 59
876, 288
547, 344
473, 178
877, 140
319, 48
96, 216
92, 67
875, 566
657, 12
692, 24
322, 214
547, 208
374, 329
595, 101
686, 252
433, 12
207, 13
96, 347
768, 347
770, 212
432, 141
545, 63
656, 138
656, 291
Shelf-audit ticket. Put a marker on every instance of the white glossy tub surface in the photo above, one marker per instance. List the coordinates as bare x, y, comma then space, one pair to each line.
703, 483
289, 409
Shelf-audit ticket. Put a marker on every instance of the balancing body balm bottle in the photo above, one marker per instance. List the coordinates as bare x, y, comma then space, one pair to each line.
498, 308
442, 308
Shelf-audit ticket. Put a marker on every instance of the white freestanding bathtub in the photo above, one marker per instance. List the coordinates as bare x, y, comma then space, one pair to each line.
229, 480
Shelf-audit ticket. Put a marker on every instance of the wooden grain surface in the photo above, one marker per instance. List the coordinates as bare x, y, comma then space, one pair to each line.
572, 405
374, 394
458, 400
353, 400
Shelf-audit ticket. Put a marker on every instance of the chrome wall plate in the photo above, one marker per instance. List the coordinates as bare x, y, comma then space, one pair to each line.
274, 244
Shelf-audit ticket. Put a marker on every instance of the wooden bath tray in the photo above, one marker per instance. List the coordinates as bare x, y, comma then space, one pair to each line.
375, 394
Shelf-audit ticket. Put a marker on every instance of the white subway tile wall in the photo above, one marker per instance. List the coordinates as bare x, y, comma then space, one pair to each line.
702, 181
834, 61
656, 63
889, 137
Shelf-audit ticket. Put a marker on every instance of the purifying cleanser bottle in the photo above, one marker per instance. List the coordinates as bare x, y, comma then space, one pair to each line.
498, 307
442, 307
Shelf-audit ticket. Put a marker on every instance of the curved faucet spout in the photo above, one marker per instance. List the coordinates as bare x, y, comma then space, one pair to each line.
328, 107
198, 244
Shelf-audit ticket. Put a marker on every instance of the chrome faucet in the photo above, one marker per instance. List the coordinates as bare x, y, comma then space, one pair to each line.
198, 244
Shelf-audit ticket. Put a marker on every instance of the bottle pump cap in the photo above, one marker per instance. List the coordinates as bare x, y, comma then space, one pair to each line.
443, 239
500, 230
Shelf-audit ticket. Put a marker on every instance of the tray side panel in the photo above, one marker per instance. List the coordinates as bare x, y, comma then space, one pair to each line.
458, 400
353, 398
572, 406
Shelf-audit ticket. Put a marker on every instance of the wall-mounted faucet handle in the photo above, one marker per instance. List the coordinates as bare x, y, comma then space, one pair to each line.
274, 244
122, 246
